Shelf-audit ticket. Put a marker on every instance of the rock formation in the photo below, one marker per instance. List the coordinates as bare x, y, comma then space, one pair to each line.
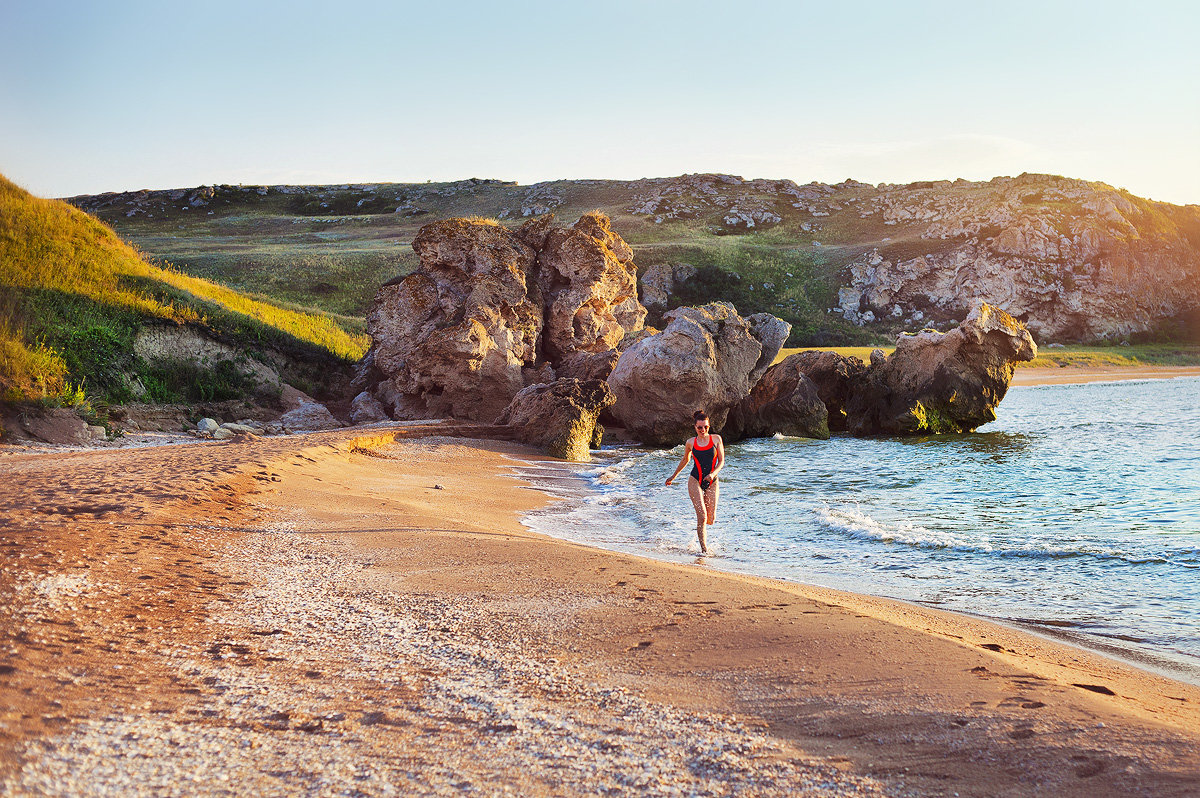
454, 337
785, 401
559, 417
490, 311
1080, 260
303, 413
589, 284
832, 375
366, 409
941, 382
707, 357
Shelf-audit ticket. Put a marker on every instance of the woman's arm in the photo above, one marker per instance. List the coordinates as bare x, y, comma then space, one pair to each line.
683, 461
719, 460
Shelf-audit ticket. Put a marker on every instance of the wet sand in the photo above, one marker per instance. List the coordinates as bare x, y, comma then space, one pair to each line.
334, 612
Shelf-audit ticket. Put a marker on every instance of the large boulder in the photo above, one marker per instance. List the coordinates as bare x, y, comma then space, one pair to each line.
366, 409
833, 376
454, 337
772, 332
560, 417
589, 284
941, 382
492, 310
705, 357
783, 402
308, 416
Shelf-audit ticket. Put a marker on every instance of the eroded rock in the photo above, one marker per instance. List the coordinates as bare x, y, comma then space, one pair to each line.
559, 417
941, 382
491, 310
366, 409
706, 357
452, 338
833, 376
587, 277
785, 402
303, 413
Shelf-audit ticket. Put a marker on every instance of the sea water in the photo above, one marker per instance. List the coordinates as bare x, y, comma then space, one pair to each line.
1076, 512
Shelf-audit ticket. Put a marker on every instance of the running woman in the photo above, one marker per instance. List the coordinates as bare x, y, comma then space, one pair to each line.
707, 453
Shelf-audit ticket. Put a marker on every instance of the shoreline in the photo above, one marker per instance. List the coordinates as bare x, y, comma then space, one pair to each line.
1161, 665
1076, 375
436, 625
1178, 667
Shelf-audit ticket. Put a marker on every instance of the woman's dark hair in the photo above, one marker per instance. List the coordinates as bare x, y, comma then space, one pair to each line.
699, 415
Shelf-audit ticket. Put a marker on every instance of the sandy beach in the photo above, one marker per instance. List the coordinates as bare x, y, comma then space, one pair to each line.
1065, 375
339, 613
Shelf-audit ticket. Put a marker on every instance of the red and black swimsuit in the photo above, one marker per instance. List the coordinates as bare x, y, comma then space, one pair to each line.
703, 457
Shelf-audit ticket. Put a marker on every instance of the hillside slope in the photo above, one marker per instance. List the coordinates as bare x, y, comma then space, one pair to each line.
83, 313
845, 263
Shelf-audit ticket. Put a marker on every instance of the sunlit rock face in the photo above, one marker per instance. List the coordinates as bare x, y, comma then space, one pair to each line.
940, 382
559, 417
706, 358
1077, 260
492, 310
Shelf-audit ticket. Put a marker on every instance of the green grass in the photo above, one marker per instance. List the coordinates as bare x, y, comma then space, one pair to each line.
73, 296
797, 285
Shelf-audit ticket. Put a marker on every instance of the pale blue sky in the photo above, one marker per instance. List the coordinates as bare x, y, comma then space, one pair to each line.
109, 96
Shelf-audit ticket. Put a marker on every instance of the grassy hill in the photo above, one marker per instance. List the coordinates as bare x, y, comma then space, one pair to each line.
330, 247
765, 245
74, 298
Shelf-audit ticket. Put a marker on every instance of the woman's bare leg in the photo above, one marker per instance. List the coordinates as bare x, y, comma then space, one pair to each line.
710, 500
698, 501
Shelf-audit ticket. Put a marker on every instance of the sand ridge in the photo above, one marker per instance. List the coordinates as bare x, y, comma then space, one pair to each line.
307, 613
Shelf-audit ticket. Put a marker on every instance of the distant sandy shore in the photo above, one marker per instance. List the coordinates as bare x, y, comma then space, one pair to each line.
1062, 375
335, 612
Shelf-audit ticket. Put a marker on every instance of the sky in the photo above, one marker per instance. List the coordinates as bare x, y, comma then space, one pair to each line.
114, 96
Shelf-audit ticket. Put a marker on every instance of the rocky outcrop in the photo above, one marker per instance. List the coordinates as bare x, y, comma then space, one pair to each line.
366, 409
772, 333
589, 285
454, 337
706, 357
832, 375
559, 417
1079, 260
491, 310
784, 402
303, 413
941, 382
660, 280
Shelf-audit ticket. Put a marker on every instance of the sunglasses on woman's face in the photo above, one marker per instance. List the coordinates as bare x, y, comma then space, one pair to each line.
701, 426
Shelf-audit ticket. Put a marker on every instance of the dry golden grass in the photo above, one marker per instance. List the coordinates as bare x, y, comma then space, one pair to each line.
29, 372
50, 247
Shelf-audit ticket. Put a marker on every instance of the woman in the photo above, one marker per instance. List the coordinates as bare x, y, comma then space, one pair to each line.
708, 453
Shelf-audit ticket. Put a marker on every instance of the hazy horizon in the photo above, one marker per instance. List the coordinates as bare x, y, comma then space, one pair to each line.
133, 95
552, 180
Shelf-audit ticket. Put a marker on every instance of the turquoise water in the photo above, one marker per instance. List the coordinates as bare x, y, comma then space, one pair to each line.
1076, 512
